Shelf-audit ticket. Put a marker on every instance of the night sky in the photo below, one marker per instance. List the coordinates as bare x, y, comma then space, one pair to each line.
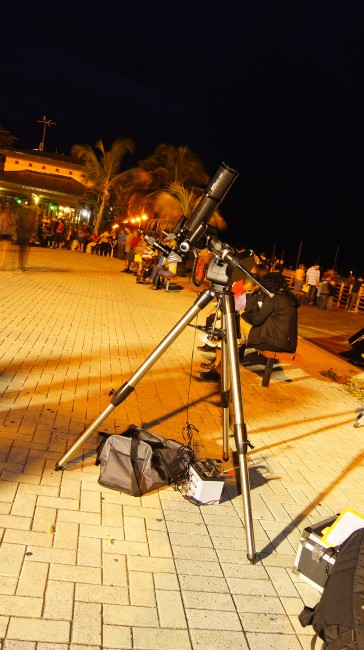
272, 88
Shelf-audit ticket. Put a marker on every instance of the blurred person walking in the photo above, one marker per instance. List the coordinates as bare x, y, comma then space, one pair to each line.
26, 225
323, 293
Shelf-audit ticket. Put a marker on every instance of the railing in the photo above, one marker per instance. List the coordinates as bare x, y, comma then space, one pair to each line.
341, 296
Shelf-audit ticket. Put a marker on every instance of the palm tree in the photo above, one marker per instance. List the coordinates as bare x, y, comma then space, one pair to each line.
168, 164
176, 201
6, 139
103, 170
178, 181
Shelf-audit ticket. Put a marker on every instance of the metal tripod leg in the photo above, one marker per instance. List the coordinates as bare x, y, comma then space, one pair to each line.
231, 391
359, 419
127, 388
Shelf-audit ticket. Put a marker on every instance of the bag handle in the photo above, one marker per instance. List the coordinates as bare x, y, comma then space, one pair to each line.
135, 477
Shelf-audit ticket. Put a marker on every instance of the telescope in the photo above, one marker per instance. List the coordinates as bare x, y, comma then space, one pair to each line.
224, 267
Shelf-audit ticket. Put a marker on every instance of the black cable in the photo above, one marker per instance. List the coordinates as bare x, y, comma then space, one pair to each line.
195, 281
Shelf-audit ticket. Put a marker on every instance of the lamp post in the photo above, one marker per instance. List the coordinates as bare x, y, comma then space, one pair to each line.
45, 123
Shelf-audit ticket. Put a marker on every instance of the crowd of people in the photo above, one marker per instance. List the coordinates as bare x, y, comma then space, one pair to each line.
310, 286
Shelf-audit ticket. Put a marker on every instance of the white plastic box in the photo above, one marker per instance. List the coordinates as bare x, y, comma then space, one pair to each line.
204, 484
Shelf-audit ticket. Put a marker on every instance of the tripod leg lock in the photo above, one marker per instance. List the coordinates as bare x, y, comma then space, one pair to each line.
225, 398
242, 441
123, 392
244, 447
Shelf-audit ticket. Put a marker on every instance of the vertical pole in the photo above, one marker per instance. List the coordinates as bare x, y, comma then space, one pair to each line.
336, 254
274, 249
299, 254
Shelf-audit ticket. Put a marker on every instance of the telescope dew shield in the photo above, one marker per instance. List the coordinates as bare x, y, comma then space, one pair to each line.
215, 193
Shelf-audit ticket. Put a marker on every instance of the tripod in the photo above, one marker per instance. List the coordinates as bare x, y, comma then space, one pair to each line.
220, 289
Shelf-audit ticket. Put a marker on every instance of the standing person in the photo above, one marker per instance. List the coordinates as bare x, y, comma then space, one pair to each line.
356, 286
83, 237
279, 266
313, 281
121, 244
138, 252
114, 244
94, 241
129, 259
263, 262
299, 277
127, 242
59, 234
323, 293
104, 244
330, 300
26, 225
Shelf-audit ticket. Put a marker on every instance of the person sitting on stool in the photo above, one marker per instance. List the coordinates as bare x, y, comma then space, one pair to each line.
271, 323
267, 323
164, 269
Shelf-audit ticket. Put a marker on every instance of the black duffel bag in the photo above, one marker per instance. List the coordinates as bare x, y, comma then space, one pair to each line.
138, 461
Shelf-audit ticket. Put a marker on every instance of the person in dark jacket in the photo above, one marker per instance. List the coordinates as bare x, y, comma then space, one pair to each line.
266, 323
271, 323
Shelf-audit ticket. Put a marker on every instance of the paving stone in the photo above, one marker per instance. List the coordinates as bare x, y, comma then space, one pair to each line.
32, 579
66, 535
71, 573
86, 627
217, 639
4, 621
117, 636
130, 615
50, 555
210, 619
170, 609
59, 599
18, 645
155, 639
114, 569
29, 629
11, 559
273, 642
141, 589
89, 593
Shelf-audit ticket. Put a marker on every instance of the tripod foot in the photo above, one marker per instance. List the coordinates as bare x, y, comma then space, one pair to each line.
58, 467
358, 419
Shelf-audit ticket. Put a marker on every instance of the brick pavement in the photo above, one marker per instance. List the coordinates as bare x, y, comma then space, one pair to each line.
86, 567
